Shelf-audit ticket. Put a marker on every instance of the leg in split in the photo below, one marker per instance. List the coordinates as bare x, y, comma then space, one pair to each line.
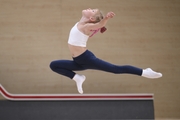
67, 68
92, 62
124, 69
98, 64
88, 60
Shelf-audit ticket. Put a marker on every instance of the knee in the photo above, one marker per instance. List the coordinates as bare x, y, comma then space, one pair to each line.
52, 65
116, 69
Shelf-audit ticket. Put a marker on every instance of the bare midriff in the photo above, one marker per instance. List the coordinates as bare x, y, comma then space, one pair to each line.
76, 50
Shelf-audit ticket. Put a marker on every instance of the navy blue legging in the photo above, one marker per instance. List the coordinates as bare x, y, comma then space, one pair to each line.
88, 60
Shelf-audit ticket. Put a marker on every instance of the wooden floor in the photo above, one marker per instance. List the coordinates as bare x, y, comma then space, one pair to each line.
144, 33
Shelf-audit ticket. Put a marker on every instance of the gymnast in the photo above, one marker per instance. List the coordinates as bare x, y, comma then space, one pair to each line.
91, 22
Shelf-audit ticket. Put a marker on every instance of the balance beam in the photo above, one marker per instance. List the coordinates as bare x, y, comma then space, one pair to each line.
76, 106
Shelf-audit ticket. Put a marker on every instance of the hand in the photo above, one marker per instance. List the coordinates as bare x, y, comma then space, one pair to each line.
110, 15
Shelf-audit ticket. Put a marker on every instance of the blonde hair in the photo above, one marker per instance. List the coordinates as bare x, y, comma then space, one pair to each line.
98, 16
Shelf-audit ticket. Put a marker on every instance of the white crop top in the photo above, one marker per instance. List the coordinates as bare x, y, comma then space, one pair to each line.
77, 38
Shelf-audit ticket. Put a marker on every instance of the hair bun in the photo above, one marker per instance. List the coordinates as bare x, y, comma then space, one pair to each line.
103, 29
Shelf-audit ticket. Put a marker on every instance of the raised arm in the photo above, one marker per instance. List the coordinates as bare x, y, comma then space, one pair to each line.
102, 23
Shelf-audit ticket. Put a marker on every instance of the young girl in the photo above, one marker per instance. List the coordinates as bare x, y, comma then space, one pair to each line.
91, 22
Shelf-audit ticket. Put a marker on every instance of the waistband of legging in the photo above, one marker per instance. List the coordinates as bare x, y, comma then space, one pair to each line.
84, 54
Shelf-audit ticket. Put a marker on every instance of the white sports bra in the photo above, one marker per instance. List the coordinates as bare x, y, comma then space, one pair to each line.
77, 38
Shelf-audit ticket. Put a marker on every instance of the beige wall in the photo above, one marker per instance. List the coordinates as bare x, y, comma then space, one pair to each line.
144, 33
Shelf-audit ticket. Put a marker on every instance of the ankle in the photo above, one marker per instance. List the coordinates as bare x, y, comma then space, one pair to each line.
78, 77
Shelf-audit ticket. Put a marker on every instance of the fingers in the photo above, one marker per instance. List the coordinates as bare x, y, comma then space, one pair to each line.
110, 15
